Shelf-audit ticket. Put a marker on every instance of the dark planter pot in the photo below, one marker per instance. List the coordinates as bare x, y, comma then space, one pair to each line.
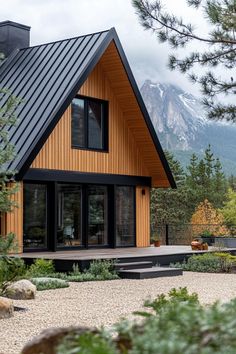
229, 242
157, 243
210, 240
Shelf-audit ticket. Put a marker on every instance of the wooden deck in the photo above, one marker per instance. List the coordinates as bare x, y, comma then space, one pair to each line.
163, 255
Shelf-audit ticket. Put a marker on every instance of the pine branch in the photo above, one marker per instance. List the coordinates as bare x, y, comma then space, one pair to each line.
220, 111
171, 28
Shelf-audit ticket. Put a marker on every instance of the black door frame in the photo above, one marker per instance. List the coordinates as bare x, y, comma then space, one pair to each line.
52, 216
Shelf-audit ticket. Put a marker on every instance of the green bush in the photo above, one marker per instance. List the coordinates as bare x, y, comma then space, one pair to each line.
98, 270
49, 283
208, 262
11, 268
176, 324
87, 343
41, 267
102, 268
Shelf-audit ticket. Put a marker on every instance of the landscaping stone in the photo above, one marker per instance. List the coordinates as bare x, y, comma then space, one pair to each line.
47, 341
6, 308
21, 290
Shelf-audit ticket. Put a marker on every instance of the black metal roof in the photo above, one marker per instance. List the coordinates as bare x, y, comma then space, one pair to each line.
46, 78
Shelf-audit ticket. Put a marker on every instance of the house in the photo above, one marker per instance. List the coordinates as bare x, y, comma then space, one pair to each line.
86, 151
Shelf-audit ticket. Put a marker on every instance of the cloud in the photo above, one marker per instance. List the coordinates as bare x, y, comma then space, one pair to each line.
58, 19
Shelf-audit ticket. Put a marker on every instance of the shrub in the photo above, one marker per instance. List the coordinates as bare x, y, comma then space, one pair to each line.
11, 268
87, 343
208, 262
177, 324
41, 267
98, 270
104, 269
49, 283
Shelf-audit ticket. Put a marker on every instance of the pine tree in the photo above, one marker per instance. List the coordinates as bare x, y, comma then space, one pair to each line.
170, 205
229, 209
7, 119
205, 180
220, 39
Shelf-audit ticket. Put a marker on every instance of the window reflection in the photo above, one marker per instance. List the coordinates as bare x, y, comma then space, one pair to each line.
125, 216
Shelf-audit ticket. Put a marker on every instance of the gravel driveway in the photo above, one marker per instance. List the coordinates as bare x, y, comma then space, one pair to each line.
102, 303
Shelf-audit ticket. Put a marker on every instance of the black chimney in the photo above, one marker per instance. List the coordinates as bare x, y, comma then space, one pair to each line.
13, 36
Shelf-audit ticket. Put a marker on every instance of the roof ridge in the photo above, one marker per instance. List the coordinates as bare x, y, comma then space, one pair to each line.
67, 39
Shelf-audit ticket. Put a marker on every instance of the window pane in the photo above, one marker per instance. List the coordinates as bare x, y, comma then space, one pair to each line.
97, 215
125, 216
95, 125
69, 225
78, 123
35, 216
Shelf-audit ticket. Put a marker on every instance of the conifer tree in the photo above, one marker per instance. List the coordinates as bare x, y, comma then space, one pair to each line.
221, 53
229, 209
206, 180
7, 188
169, 205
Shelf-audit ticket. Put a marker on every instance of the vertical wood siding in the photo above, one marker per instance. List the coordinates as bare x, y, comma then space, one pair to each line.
13, 221
142, 216
124, 157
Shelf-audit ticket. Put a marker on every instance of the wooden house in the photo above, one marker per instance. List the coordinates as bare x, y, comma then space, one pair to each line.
86, 151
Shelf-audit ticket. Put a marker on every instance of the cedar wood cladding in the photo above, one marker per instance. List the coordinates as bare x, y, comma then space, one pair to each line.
131, 150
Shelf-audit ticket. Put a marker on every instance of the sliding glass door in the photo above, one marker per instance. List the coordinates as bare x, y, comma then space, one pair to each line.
35, 216
69, 215
97, 216
125, 216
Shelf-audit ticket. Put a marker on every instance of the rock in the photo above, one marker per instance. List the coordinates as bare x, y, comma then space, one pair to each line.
21, 290
6, 308
48, 340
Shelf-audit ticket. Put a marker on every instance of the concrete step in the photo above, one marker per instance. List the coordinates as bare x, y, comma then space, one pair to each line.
147, 273
133, 265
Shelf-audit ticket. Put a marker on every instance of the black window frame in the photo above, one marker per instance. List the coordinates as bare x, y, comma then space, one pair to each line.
105, 135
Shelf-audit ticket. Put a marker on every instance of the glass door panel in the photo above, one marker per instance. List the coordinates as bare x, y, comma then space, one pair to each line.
69, 224
97, 216
125, 216
35, 216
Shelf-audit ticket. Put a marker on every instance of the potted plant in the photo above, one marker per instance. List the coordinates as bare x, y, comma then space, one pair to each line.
207, 237
155, 240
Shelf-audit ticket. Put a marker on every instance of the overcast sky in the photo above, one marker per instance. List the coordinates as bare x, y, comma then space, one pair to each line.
58, 19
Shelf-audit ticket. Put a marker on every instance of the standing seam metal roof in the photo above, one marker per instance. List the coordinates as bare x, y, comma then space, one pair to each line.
46, 78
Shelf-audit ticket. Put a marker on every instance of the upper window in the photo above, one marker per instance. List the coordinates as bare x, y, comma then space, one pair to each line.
89, 124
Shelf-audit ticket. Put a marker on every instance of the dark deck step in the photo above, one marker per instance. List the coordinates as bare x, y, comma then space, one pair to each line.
154, 272
133, 265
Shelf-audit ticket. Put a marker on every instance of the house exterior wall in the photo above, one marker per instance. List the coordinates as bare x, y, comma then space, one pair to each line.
123, 157
13, 221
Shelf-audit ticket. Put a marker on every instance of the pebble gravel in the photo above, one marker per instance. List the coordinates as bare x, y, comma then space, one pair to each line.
102, 303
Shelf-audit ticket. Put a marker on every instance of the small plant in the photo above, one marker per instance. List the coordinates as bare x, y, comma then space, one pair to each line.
102, 268
208, 262
98, 270
206, 233
87, 343
49, 283
41, 267
11, 268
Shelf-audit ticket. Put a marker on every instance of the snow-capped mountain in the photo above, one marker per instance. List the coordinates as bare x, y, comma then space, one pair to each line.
182, 126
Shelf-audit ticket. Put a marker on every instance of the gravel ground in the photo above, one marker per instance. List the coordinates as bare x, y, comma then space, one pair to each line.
102, 303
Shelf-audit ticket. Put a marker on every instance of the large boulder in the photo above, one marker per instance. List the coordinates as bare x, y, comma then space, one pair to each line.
6, 308
48, 340
21, 290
